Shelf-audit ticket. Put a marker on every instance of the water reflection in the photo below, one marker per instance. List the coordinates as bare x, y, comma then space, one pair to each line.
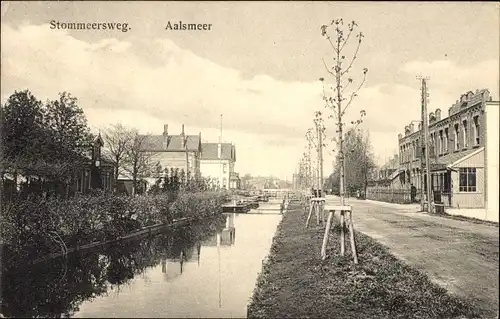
161, 276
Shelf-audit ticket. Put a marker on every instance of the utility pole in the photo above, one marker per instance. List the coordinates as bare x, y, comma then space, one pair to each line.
311, 180
321, 162
425, 140
220, 155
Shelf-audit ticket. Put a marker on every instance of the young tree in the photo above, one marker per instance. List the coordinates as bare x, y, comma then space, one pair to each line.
117, 139
339, 99
316, 137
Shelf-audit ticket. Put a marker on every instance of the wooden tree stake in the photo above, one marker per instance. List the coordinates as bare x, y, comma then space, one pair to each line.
342, 234
318, 212
353, 242
311, 207
343, 221
327, 231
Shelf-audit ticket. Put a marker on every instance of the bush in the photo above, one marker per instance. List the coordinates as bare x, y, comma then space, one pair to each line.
198, 205
38, 226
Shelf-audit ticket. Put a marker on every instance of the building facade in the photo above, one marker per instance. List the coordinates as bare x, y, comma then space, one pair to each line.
90, 171
179, 152
97, 173
456, 151
491, 158
217, 161
387, 183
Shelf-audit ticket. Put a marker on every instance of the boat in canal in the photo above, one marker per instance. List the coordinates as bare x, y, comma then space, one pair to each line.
235, 207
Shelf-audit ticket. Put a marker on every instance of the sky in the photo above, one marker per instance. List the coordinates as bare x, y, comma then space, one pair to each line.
259, 66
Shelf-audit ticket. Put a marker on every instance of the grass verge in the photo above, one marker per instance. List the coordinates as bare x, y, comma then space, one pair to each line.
296, 283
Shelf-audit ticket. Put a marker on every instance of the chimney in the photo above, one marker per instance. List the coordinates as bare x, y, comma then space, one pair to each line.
219, 151
183, 136
438, 114
412, 128
431, 117
419, 126
400, 136
165, 130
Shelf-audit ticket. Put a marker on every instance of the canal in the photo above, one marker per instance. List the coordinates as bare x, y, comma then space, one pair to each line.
205, 270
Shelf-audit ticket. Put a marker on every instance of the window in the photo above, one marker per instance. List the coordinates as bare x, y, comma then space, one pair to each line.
446, 137
432, 148
476, 130
224, 168
224, 182
465, 133
457, 142
79, 182
441, 144
467, 181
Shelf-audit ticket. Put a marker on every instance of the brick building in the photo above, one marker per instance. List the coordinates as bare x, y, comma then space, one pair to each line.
169, 151
456, 151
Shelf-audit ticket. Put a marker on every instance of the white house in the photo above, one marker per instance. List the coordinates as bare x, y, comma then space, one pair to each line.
491, 160
217, 162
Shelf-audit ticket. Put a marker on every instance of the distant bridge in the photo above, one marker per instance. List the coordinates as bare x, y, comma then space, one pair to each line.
277, 192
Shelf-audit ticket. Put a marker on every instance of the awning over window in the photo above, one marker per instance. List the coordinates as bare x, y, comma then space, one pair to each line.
460, 160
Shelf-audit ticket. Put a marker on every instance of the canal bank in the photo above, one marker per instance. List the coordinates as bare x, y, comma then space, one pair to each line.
134, 235
200, 270
38, 228
295, 282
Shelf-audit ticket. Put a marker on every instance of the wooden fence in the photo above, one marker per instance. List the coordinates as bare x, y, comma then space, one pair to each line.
383, 194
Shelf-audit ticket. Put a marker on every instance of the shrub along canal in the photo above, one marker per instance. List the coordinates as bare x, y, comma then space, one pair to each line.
207, 270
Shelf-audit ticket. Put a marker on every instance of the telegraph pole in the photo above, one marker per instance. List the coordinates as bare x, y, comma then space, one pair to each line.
425, 140
311, 180
220, 155
321, 162
318, 183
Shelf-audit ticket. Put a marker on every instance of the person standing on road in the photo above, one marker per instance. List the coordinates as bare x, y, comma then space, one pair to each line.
413, 193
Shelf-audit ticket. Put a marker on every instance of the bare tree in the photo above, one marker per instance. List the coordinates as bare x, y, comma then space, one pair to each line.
316, 137
340, 96
117, 139
138, 161
357, 154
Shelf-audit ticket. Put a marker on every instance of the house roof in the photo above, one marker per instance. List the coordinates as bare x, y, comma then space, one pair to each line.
171, 143
395, 174
209, 151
